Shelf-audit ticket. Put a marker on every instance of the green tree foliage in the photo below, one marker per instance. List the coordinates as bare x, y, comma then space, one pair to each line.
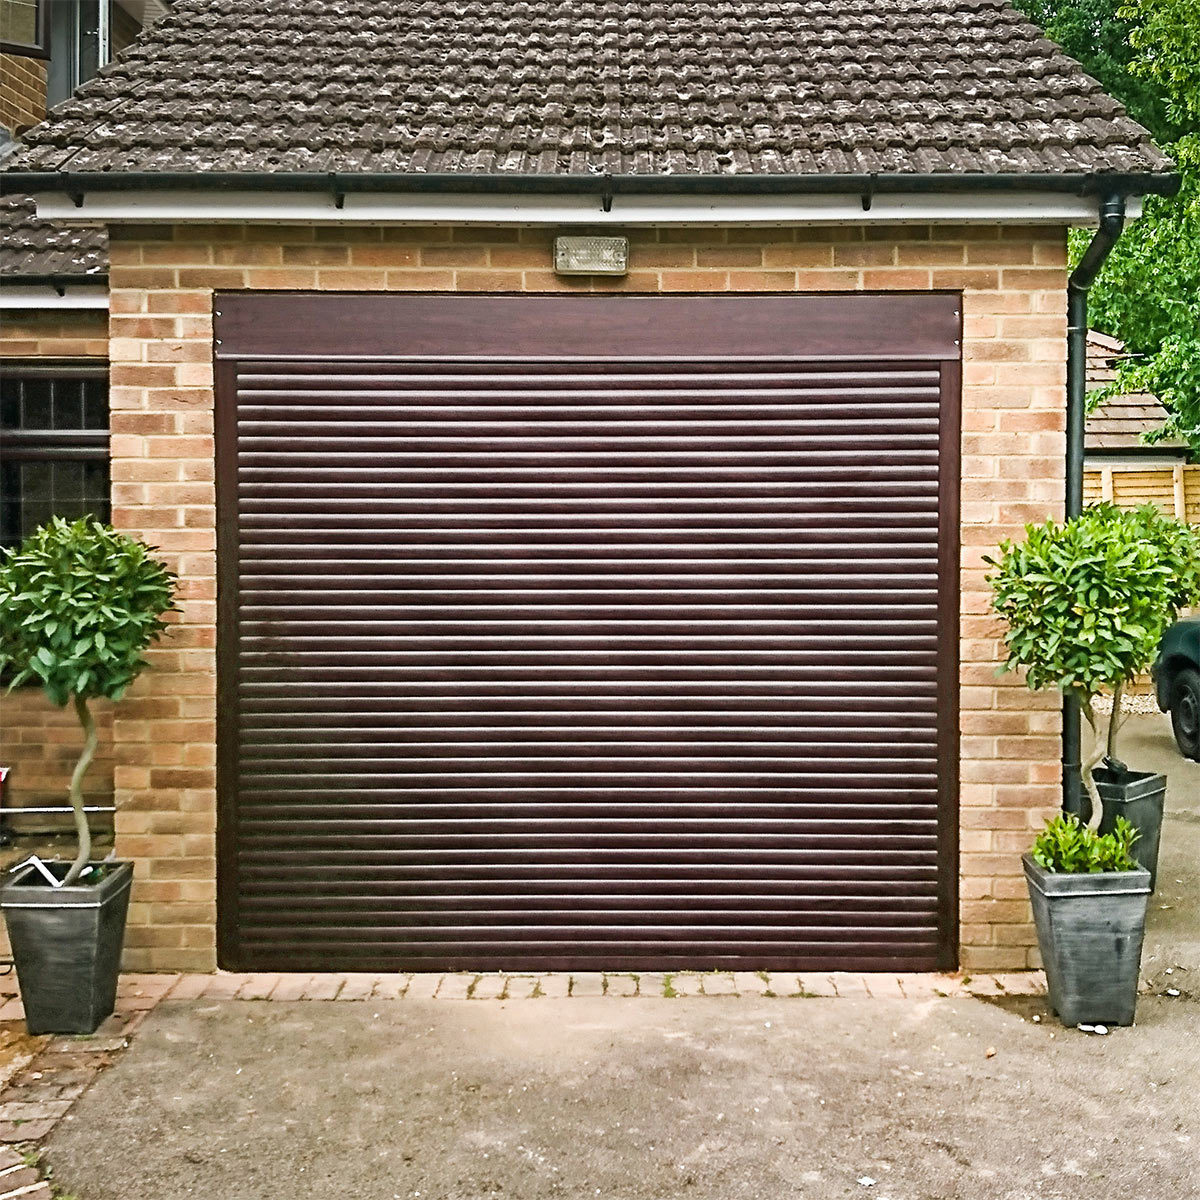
79, 604
1166, 35
1087, 601
1146, 53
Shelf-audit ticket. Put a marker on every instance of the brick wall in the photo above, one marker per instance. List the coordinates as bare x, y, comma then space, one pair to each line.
67, 333
39, 741
1013, 280
22, 91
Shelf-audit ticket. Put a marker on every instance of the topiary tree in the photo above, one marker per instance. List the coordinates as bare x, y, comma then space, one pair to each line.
79, 603
1087, 601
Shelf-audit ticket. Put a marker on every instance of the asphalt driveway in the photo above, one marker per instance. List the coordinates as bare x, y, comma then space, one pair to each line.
711, 1098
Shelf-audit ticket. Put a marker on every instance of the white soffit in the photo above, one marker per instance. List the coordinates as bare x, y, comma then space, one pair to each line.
303, 208
33, 296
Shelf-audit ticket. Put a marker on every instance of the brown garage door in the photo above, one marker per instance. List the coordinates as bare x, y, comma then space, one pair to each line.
580, 632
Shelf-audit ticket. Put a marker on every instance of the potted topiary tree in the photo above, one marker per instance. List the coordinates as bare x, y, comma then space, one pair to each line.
1086, 603
80, 603
1089, 900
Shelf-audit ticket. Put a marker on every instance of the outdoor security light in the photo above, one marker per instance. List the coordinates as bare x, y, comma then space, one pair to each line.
591, 255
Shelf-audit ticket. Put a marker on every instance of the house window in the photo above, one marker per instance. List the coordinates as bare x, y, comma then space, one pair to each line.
53, 445
24, 29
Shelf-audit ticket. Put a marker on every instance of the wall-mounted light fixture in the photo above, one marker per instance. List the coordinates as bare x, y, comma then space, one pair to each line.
587, 255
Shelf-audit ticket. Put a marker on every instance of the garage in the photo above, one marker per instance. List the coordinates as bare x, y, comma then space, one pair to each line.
582, 631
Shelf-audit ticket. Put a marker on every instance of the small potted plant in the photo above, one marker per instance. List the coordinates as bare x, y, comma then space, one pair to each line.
1086, 603
81, 602
1089, 899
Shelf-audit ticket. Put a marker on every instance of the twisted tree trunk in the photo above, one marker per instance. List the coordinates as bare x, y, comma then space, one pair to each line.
84, 834
1114, 722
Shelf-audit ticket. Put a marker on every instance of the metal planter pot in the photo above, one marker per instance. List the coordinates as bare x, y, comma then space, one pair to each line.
1138, 796
1090, 930
66, 943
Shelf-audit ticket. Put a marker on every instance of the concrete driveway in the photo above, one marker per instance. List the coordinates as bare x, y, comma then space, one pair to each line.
704, 1098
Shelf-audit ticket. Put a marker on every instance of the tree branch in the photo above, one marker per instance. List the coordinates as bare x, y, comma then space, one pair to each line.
1114, 720
1098, 753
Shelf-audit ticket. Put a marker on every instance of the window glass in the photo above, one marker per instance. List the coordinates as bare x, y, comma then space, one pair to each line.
74, 47
54, 453
22, 26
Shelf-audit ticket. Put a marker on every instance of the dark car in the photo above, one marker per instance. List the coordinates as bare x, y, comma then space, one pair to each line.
1176, 673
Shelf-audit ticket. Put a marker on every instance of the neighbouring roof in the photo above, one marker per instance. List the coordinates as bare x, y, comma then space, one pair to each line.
574, 87
34, 249
1120, 422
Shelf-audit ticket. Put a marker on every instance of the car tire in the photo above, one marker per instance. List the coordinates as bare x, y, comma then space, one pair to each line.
1185, 713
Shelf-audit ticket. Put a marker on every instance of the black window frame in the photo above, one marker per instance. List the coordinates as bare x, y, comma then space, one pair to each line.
41, 45
57, 445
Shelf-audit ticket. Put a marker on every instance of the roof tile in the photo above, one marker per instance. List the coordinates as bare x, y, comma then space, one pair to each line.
41, 249
800, 87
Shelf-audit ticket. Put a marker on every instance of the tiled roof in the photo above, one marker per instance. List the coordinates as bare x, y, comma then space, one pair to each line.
34, 248
554, 87
1120, 422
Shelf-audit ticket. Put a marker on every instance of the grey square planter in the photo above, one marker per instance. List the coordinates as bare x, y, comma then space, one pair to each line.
1138, 796
1090, 930
66, 944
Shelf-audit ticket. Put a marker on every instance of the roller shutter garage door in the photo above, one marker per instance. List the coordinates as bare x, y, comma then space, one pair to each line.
587, 632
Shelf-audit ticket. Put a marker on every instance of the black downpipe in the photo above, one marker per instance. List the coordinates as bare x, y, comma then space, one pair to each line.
1075, 798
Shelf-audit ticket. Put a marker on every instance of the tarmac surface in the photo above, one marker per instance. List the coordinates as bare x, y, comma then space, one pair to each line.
702, 1098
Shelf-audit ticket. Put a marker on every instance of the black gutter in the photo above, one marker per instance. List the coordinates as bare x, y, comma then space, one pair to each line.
336, 183
1075, 798
57, 280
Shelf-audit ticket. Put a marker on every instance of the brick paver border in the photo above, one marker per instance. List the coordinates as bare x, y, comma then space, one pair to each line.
41, 1093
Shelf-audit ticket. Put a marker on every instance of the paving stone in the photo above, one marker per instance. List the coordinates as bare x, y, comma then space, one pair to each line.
391, 987
554, 987
291, 986
43, 1110
118, 1024
10, 1158
34, 1093
686, 983
12, 1010
94, 1045
18, 1180
651, 984
147, 985
718, 985
259, 987
322, 987
1020, 983
64, 1077
620, 985
489, 987
749, 983
225, 985
423, 986
587, 983
812, 985
36, 1190
357, 986
455, 987
522, 987
25, 1131
189, 987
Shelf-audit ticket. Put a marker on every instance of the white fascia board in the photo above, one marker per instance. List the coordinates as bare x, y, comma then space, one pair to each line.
306, 208
32, 296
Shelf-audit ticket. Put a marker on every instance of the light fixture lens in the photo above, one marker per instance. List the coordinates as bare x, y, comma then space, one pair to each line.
591, 255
